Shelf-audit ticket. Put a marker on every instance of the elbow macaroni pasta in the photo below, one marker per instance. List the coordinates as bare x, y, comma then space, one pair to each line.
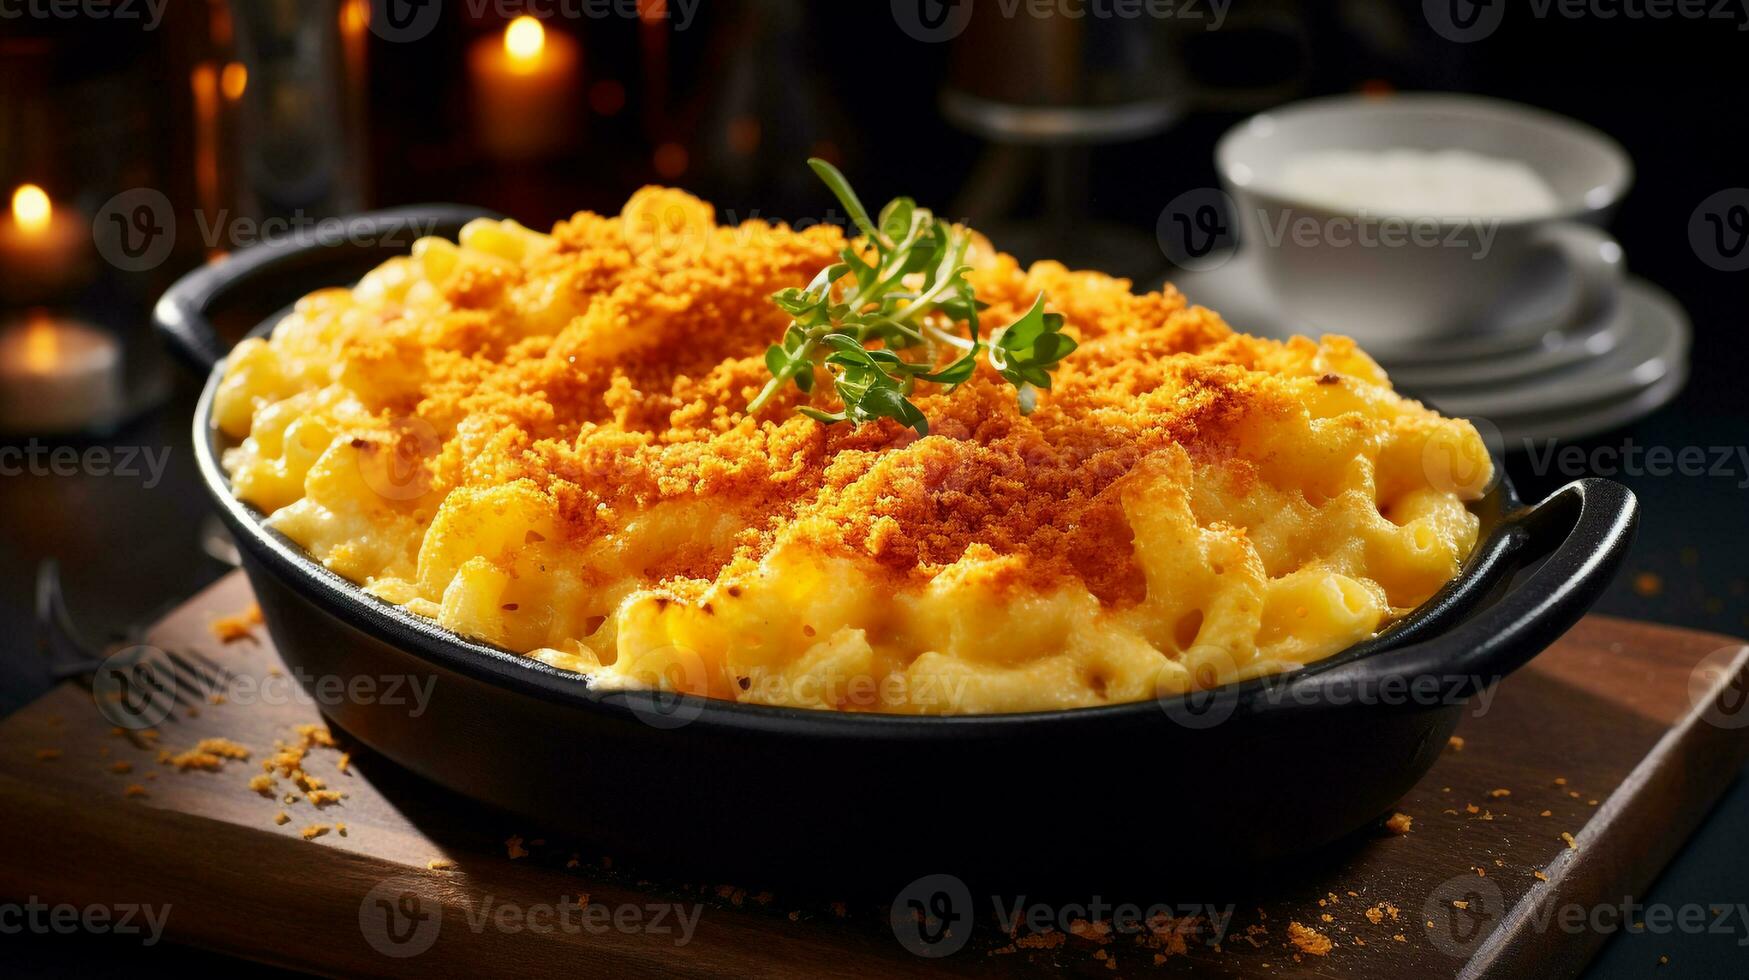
540, 441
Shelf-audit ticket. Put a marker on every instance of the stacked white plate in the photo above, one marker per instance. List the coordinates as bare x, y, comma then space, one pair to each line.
1531, 383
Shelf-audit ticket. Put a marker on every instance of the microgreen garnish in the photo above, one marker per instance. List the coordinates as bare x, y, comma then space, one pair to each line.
913, 293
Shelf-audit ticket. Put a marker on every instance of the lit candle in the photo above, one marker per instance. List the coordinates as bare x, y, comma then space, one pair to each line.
58, 376
525, 87
42, 249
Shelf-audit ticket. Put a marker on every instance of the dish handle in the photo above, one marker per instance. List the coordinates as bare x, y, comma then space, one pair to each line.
1585, 529
327, 254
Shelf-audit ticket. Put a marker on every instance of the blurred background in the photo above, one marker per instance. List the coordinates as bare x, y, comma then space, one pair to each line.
140, 139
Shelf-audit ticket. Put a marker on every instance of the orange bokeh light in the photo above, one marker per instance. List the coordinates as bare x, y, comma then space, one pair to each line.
31, 209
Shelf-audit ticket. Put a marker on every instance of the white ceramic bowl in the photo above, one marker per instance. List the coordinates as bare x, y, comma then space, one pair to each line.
1392, 279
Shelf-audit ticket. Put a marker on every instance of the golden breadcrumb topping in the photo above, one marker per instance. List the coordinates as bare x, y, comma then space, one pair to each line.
608, 430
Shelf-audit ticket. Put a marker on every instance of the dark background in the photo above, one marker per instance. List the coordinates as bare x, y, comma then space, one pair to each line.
842, 79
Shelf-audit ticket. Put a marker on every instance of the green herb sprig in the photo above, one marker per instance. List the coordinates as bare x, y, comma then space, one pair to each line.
836, 325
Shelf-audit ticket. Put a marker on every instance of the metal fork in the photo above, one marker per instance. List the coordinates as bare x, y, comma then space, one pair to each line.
151, 679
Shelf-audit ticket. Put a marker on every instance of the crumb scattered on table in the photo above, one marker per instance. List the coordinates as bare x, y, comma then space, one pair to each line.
1048, 939
1308, 940
239, 625
1096, 931
210, 755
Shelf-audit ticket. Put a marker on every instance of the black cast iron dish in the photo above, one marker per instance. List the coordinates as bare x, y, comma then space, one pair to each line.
1241, 774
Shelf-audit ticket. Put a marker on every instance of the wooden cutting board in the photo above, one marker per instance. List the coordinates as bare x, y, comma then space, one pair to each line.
1621, 735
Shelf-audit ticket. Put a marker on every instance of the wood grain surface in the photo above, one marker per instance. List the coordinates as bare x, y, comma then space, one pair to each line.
1621, 735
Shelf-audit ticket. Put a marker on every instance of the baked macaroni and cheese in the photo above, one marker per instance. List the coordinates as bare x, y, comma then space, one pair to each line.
544, 441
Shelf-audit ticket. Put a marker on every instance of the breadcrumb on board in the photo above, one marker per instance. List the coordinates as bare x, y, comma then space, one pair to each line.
287, 761
209, 755
1049, 939
239, 625
1098, 932
1308, 940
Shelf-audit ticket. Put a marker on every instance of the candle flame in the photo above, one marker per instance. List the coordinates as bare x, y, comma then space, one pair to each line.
31, 208
355, 17
234, 80
524, 39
